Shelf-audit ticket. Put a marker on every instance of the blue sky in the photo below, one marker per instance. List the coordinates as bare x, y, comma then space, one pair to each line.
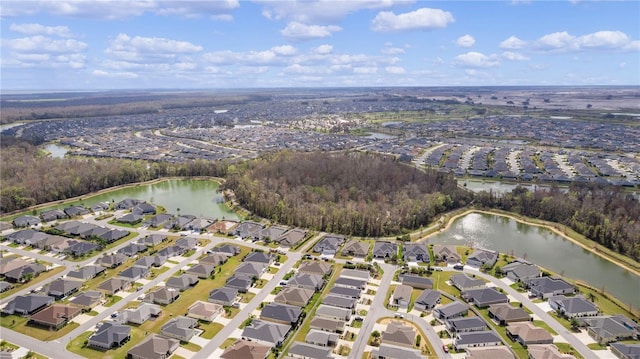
103, 44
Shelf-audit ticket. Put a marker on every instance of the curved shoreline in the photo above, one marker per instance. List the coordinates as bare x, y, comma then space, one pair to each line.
520, 220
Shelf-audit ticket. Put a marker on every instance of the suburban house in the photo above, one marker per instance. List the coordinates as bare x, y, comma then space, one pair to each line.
110, 335
355, 248
340, 302
350, 283
399, 334
154, 347
4, 286
131, 218
345, 292
259, 257
132, 249
355, 274
248, 229
417, 282
465, 325
181, 328
52, 215
270, 233
222, 226
156, 221
252, 269
427, 300
24, 273
281, 313
547, 351
88, 300
127, 203
144, 208
224, 296
546, 287
307, 281
27, 237
227, 249
572, 307
329, 244
113, 285
179, 222
202, 271
625, 351
62, 288
27, 304
401, 296
384, 250
182, 282
322, 338
386, 351
415, 252
244, 349
306, 350
264, 332
199, 224
484, 297
446, 253
328, 325
520, 270
335, 313
476, 339
482, 257
141, 314
111, 261
294, 296
162, 295
26, 221
73, 211
204, 311
11, 263
526, 334
316, 267
501, 352
80, 248
134, 273
464, 282
55, 316
606, 329
451, 310
291, 237
153, 239
214, 259
506, 313
240, 281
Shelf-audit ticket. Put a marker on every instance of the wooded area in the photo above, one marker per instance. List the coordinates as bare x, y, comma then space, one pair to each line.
350, 193
606, 214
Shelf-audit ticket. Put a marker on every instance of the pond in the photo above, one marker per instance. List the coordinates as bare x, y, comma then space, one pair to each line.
544, 248
55, 150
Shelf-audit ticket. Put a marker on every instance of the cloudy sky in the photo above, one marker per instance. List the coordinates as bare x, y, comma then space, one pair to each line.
104, 44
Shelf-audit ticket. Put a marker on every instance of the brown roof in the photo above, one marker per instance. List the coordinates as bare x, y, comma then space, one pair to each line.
399, 334
56, 314
528, 332
489, 353
204, 309
244, 349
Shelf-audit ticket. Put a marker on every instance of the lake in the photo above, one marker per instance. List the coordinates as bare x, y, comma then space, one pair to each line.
55, 150
544, 248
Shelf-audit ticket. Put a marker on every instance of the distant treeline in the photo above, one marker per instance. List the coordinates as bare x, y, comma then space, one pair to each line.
349, 193
605, 214
29, 178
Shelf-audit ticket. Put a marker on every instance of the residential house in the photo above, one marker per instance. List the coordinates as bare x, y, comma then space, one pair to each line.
427, 300
202, 271
322, 338
144, 208
526, 334
607, 329
100, 207
625, 351
388, 351
157, 220
111, 261
309, 281
309, 351
52, 215
294, 296
85, 273
28, 237
248, 230
110, 335
329, 244
484, 297
186, 243
355, 274
328, 325
74, 211
162, 296
316, 267
154, 347
355, 248
291, 237
270, 233
153, 239
244, 349
204, 311
350, 283
415, 252
171, 251
25, 273
572, 307
501, 352
281, 313
179, 222
80, 248
62, 288
214, 259
401, 297
181, 328
55, 316
463, 282
259, 257
4, 286
340, 302
113, 235
134, 273
132, 249
11, 263
520, 270
222, 226
451, 310
264, 332
127, 203
345, 292
476, 339
141, 314
465, 325
88, 300
240, 281
399, 334
53, 243
26, 221
546, 287
199, 224
131, 218
335, 313
384, 250
224, 296
251, 269
505, 313
27, 304
446, 253
227, 249
113, 285
182, 282
417, 282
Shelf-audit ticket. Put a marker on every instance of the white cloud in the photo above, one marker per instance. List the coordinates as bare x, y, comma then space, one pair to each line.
465, 41
600, 40
222, 17
512, 43
421, 19
300, 31
102, 73
476, 59
323, 49
320, 10
514, 56
389, 49
37, 29
286, 50
42, 44
365, 70
144, 49
396, 70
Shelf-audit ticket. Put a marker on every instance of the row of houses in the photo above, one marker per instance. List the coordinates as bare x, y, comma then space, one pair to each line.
254, 231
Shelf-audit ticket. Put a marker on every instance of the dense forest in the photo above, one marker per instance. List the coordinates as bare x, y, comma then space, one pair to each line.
29, 178
605, 214
350, 193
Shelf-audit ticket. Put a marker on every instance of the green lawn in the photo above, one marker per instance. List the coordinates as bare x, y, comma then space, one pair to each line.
545, 326
568, 349
210, 329
227, 343
19, 324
